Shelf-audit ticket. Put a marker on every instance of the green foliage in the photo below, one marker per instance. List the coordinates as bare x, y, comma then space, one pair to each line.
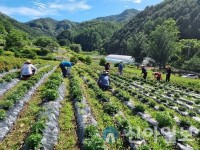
33, 141
46, 43
110, 109
164, 119
2, 114
94, 143
7, 104
193, 64
38, 127
102, 62
185, 123
90, 131
16, 40
139, 108
50, 94
88, 60
144, 147
162, 42
74, 59
76, 48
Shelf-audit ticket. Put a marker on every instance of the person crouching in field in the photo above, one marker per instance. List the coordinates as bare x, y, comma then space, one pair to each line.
157, 76
27, 70
104, 81
63, 66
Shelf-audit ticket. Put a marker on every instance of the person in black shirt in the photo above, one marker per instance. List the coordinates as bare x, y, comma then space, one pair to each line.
107, 66
168, 73
144, 72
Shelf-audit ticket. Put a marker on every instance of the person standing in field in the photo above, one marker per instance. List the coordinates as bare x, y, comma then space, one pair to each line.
120, 68
168, 73
144, 72
63, 66
107, 66
27, 70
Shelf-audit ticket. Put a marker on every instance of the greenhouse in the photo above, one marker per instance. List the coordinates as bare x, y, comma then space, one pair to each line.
118, 58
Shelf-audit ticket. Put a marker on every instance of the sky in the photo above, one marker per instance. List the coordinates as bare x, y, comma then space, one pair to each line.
73, 10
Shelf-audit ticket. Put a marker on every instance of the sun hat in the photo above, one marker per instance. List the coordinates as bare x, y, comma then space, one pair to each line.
28, 61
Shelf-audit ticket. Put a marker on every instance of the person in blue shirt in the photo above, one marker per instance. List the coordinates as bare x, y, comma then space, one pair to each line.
120, 68
63, 66
104, 81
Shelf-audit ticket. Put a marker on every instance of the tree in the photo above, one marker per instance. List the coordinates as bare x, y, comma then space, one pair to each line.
162, 42
102, 62
193, 64
76, 48
16, 40
136, 46
46, 43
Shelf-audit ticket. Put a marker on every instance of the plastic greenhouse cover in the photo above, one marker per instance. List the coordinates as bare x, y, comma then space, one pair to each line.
119, 58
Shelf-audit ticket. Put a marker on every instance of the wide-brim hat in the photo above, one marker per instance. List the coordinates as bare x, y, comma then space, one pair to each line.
105, 72
28, 61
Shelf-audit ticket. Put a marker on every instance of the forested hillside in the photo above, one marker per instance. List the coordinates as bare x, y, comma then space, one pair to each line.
124, 17
7, 24
50, 26
90, 35
137, 34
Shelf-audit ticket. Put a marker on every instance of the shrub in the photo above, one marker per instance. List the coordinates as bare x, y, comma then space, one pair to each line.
102, 62
2, 114
94, 143
152, 104
111, 109
52, 84
182, 109
88, 60
7, 104
164, 119
123, 124
144, 147
185, 123
192, 114
38, 127
50, 94
139, 108
33, 141
90, 131
76, 48
74, 59
161, 108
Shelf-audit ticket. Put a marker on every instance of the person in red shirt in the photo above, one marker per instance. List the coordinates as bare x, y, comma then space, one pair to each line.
157, 75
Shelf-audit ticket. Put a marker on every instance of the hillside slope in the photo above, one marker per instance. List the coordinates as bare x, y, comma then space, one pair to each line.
50, 26
185, 12
124, 17
8, 24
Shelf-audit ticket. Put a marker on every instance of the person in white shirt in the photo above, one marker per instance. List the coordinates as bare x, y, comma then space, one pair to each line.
28, 70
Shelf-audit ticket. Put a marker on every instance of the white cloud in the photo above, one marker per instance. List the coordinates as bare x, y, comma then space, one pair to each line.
24, 11
39, 9
72, 5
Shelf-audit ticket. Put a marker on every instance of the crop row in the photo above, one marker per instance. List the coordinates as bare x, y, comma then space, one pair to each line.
44, 132
88, 133
124, 96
